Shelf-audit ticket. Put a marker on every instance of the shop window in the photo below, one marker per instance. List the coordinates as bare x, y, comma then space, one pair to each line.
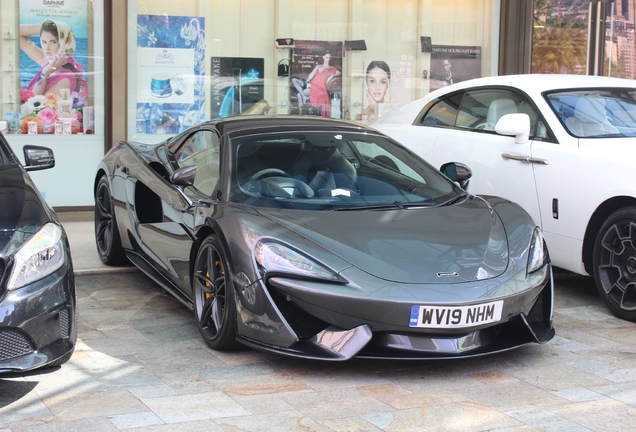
48, 61
346, 60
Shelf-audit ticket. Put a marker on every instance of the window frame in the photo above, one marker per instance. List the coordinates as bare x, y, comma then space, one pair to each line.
176, 146
550, 137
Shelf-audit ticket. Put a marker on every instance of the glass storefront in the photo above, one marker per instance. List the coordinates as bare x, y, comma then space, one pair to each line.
195, 60
52, 89
564, 36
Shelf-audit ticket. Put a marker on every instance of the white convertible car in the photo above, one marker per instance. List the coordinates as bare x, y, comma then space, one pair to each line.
562, 146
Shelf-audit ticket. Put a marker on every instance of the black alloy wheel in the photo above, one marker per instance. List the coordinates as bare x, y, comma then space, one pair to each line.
106, 232
615, 263
213, 293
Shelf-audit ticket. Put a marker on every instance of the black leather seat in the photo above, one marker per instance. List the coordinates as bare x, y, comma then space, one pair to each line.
324, 167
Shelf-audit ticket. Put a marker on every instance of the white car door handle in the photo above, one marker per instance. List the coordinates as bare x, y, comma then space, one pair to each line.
527, 159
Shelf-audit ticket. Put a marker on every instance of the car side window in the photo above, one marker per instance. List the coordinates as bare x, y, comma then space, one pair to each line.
443, 113
203, 149
480, 110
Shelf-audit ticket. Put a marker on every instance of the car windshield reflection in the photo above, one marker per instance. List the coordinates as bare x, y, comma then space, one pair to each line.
596, 113
327, 171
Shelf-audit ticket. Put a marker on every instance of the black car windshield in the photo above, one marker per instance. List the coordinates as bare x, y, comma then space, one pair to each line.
332, 171
596, 113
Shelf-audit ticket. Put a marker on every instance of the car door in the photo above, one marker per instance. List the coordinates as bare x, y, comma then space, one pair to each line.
499, 165
170, 239
585, 168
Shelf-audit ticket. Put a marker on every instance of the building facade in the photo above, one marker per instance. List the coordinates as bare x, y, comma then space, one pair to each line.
145, 70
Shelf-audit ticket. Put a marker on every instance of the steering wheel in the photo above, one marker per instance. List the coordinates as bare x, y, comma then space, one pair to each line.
252, 184
285, 187
267, 172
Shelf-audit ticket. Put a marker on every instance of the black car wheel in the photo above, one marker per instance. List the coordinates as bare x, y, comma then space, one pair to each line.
213, 293
106, 233
615, 263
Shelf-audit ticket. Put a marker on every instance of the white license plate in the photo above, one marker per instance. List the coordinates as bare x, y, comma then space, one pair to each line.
455, 316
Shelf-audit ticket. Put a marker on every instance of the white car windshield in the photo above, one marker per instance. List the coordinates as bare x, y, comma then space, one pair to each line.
332, 171
596, 113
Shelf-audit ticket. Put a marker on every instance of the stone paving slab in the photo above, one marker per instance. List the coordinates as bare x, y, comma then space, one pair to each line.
140, 365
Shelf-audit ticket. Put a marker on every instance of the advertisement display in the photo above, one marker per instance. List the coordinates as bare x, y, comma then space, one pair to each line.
316, 78
453, 64
237, 86
170, 73
386, 87
54, 93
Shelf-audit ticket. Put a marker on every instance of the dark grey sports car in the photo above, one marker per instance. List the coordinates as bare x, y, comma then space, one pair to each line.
324, 239
38, 321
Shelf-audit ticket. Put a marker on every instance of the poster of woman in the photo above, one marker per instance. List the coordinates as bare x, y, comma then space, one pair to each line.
385, 88
53, 65
316, 78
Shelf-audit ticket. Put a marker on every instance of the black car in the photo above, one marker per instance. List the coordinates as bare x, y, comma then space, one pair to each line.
324, 239
38, 306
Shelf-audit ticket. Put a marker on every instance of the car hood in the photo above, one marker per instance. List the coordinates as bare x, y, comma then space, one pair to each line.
22, 212
450, 244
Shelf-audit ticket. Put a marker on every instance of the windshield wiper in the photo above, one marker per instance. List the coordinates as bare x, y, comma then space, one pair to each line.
390, 206
400, 205
426, 203
454, 199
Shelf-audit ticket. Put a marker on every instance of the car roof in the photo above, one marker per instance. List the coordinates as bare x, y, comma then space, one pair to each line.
285, 123
533, 83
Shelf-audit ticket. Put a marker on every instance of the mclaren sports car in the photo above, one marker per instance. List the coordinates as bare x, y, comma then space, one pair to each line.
324, 239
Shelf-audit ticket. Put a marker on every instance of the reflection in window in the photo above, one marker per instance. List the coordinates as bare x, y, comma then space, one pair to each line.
444, 112
203, 150
596, 113
326, 171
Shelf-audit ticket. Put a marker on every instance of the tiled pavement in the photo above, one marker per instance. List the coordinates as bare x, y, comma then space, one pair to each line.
140, 365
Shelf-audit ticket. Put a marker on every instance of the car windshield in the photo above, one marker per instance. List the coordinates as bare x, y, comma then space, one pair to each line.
332, 171
596, 113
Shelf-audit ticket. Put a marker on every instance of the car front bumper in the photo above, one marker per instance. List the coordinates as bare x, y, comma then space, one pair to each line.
37, 322
332, 327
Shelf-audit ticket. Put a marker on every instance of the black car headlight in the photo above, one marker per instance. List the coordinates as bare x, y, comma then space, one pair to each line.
538, 254
38, 257
275, 258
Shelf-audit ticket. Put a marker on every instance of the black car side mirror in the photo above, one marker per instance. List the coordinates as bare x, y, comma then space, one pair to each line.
38, 158
457, 172
184, 176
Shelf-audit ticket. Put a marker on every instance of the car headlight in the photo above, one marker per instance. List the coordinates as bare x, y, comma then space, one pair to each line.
538, 255
276, 258
37, 258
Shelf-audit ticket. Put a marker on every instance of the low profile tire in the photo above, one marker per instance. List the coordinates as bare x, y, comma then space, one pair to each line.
106, 232
213, 291
615, 263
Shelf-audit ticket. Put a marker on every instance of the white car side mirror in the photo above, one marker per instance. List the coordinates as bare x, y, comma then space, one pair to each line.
517, 124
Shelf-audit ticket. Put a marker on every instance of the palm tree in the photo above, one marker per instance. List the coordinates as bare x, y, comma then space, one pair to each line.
542, 9
558, 50
559, 45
